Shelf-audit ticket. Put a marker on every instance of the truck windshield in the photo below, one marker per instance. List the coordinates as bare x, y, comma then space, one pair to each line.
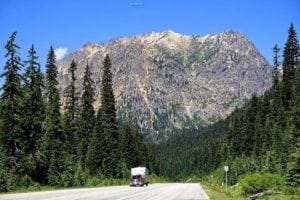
136, 177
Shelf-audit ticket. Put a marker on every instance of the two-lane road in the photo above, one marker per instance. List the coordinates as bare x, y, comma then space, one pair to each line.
168, 191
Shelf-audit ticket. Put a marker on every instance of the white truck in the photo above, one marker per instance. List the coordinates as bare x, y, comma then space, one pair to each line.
139, 176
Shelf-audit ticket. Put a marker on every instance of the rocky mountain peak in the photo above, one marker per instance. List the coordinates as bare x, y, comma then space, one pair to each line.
166, 81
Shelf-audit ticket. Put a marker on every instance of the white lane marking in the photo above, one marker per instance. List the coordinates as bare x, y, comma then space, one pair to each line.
128, 197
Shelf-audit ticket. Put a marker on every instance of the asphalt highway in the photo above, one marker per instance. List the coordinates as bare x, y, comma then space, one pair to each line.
167, 191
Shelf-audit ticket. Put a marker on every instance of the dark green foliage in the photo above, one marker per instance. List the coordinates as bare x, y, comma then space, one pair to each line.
33, 102
111, 163
290, 57
262, 136
80, 176
97, 151
70, 128
293, 175
276, 95
276, 64
131, 147
87, 115
11, 109
108, 102
53, 144
39, 146
109, 154
255, 183
33, 114
4, 175
70, 118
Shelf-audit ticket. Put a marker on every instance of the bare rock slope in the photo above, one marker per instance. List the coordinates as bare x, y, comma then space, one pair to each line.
166, 81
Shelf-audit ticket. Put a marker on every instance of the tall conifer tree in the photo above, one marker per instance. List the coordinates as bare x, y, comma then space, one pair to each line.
70, 112
33, 111
97, 150
87, 115
54, 140
11, 97
111, 135
290, 57
276, 96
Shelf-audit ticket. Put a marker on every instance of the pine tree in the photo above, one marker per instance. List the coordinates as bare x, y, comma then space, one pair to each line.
11, 97
276, 96
87, 115
296, 84
129, 146
109, 124
33, 112
296, 103
70, 118
290, 57
54, 139
4, 175
97, 150
293, 175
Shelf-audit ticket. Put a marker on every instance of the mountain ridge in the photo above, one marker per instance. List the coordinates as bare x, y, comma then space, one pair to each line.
166, 81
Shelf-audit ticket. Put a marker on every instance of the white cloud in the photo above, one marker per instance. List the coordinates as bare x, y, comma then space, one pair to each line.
60, 52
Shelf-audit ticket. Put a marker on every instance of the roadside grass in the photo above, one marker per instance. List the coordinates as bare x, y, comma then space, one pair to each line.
233, 193
280, 197
156, 179
218, 193
90, 182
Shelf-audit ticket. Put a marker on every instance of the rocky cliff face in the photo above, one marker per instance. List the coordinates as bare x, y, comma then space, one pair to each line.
165, 81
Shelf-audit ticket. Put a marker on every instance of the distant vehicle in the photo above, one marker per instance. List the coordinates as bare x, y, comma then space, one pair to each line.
139, 176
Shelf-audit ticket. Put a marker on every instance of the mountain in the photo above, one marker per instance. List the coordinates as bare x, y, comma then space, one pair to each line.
166, 81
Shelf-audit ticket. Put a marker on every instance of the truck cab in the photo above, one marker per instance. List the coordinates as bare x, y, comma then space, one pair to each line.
139, 176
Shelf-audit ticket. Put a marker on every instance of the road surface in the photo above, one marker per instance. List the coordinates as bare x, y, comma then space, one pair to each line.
168, 191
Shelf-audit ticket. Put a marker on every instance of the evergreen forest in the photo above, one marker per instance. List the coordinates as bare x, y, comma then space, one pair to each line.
45, 142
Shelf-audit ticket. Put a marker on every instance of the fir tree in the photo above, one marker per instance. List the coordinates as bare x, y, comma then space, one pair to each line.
293, 175
70, 112
276, 96
296, 103
276, 64
11, 97
54, 138
87, 115
111, 135
129, 146
290, 57
33, 111
97, 150
4, 175
296, 84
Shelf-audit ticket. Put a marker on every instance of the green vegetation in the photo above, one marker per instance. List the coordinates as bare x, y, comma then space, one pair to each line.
53, 151
86, 116
153, 178
44, 145
255, 183
234, 193
217, 193
260, 138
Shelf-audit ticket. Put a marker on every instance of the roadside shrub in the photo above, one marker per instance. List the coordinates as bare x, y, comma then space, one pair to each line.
93, 181
291, 190
153, 178
3, 181
255, 183
80, 176
67, 179
25, 181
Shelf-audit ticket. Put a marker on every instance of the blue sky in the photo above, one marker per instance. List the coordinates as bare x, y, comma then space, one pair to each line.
70, 24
